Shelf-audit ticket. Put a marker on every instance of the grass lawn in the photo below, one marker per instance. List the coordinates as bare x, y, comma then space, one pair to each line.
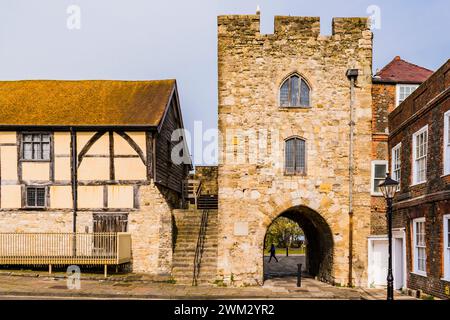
282, 251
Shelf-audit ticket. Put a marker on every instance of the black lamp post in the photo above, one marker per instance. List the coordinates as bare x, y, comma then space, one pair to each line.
388, 188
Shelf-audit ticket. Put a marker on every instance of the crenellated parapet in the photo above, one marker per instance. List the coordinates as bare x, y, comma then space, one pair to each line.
304, 27
238, 25
354, 25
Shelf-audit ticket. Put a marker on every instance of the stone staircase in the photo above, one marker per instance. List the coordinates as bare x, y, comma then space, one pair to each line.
208, 202
188, 226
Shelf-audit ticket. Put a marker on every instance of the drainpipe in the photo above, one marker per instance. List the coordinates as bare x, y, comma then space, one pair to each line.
74, 180
352, 75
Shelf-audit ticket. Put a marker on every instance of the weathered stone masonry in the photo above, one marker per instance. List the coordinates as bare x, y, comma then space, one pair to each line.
252, 67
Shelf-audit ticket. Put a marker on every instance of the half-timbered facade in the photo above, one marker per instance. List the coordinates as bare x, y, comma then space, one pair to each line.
92, 156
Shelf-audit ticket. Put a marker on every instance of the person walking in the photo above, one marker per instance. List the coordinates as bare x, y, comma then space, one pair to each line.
272, 253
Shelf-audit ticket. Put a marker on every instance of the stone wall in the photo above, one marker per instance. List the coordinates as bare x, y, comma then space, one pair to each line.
253, 192
150, 227
208, 177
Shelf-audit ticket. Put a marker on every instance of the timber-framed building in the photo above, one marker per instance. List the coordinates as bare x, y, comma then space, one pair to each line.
92, 157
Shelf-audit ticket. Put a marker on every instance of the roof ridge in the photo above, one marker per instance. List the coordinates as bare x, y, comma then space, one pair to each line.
416, 65
86, 80
385, 67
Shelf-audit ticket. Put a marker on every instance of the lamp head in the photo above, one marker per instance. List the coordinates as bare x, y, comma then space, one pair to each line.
388, 187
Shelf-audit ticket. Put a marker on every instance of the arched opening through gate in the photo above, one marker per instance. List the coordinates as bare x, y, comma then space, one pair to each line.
317, 258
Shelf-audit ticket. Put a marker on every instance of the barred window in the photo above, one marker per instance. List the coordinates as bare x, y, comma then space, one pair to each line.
295, 156
294, 92
35, 197
36, 146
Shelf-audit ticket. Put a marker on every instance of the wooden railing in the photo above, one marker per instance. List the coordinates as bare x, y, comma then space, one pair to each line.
65, 248
191, 190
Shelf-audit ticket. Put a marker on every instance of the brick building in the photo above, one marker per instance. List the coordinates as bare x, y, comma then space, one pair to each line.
419, 144
390, 86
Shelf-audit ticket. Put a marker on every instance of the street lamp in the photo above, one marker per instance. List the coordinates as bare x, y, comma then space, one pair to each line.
388, 188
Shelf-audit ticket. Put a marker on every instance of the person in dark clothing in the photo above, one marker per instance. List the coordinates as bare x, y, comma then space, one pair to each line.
272, 253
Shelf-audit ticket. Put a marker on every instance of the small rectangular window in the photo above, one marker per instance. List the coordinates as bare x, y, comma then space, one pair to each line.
35, 197
420, 149
446, 143
420, 254
396, 163
379, 169
403, 91
295, 156
35, 146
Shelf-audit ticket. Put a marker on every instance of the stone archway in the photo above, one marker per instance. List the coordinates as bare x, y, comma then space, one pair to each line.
319, 256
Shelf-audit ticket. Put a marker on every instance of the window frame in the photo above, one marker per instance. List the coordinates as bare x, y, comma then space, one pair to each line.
397, 147
414, 160
446, 146
397, 92
36, 207
415, 247
372, 176
295, 173
22, 150
288, 79
446, 247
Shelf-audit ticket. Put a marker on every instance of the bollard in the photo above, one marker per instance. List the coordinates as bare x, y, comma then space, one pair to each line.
299, 275
287, 251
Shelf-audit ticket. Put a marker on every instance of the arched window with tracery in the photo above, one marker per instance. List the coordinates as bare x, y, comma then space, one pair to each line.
295, 92
295, 156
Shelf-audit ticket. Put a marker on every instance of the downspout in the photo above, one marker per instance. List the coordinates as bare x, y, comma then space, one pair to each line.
74, 180
352, 75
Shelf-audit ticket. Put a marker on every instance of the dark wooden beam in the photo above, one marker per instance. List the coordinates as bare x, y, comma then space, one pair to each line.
133, 145
112, 170
149, 153
88, 145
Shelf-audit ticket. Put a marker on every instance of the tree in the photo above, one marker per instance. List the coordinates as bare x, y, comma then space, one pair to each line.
283, 232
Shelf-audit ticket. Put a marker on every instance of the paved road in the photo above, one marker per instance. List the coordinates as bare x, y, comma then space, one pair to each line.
31, 286
286, 266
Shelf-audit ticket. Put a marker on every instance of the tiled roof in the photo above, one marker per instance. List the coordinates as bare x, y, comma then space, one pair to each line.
401, 71
84, 103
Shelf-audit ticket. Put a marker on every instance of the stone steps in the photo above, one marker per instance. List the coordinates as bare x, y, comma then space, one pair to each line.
188, 225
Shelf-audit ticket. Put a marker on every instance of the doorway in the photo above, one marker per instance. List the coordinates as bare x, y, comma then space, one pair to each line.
399, 259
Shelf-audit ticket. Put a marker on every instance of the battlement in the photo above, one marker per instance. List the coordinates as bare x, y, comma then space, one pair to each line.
242, 24
287, 25
306, 26
349, 25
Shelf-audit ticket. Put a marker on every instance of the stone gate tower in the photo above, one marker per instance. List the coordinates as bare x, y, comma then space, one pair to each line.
285, 106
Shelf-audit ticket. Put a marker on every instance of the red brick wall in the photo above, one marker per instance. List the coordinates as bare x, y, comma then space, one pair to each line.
430, 199
383, 101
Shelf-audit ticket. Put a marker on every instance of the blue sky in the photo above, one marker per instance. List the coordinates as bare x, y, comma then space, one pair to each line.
146, 39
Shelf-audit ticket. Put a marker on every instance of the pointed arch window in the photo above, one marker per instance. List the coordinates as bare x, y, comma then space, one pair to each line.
295, 92
295, 156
